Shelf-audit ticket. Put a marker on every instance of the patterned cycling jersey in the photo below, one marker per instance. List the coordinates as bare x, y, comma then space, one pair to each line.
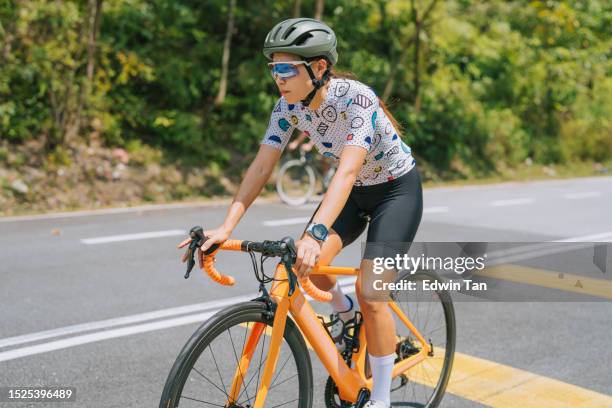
349, 115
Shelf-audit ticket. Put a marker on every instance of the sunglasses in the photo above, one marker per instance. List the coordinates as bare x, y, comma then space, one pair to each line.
286, 70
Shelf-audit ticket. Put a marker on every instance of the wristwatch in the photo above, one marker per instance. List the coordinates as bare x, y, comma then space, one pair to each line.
317, 231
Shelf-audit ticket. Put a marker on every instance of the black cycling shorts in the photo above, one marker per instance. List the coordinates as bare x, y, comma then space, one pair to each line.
394, 210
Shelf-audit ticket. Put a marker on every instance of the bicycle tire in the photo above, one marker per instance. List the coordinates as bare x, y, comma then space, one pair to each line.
224, 320
284, 171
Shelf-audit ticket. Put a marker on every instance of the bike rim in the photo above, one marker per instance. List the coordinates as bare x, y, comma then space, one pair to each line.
296, 184
210, 380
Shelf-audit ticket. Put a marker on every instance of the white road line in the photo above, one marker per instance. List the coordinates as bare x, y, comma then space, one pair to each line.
516, 201
579, 196
102, 335
132, 237
121, 321
540, 249
435, 210
602, 237
346, 283
286, 221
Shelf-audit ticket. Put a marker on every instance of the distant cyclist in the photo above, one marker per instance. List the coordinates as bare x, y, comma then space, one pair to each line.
306, 146
376, 178
299, 142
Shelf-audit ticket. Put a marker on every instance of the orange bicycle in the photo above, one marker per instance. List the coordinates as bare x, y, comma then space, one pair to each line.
256, 353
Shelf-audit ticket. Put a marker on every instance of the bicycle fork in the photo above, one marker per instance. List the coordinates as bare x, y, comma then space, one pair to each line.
278, 330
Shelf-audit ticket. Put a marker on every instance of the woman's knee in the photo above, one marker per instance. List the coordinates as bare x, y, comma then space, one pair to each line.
369, 306
371, 288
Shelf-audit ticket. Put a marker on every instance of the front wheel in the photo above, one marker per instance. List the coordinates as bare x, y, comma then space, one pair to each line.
222, 363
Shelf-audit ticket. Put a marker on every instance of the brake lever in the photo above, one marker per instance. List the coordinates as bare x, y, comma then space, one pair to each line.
197, 239
288, 260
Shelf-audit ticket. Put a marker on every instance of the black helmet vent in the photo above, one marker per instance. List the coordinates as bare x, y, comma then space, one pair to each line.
303, 38
288, 32
276, 33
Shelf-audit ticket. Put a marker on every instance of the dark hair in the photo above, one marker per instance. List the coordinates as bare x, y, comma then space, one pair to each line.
334, 73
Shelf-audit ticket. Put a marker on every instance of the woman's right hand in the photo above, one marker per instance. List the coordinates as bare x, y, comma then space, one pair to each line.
214, 236
217, 235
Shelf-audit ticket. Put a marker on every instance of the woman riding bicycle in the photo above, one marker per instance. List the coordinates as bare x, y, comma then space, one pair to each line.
376, 178
299, 142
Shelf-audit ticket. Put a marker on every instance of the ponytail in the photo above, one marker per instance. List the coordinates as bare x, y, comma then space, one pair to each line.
334, 73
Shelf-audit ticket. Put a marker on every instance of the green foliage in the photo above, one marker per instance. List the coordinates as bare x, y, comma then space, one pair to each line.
500, 81
140, 154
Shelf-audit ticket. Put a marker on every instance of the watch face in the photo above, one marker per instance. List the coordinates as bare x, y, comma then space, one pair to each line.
319, 231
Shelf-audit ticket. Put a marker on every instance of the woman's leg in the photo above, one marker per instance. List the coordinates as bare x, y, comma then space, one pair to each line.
377, 317
380, 330
396, 215
395, 219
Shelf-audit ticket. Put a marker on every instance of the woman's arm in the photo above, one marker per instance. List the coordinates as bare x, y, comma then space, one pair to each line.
253, 182
351, 161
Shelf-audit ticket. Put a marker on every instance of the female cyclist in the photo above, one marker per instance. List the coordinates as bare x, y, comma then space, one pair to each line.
376, 178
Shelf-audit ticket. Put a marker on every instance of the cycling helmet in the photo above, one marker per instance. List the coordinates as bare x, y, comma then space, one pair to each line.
307, 38
302, 36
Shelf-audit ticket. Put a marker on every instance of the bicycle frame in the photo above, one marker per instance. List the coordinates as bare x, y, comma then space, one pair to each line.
348, 380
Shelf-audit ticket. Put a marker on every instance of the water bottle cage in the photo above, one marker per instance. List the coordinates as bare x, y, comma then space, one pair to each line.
349, 334
328, 325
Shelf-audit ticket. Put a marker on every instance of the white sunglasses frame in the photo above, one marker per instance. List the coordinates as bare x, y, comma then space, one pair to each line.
299, 62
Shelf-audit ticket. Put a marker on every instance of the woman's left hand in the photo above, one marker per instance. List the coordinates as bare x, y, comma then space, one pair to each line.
308, 252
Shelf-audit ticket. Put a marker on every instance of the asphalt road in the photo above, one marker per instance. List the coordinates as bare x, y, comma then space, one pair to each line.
97, 300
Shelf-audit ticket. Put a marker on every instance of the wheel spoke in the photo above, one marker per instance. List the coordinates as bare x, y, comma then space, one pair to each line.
203, 402
272, 384
279, 371
212, 383
255, 373
284, 381
218, 371
237, 362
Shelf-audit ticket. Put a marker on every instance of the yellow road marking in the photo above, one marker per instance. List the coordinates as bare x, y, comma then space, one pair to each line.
555, 280
501, 386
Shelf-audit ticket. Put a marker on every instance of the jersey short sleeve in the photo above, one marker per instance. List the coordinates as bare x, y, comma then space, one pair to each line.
280, 126
361, 115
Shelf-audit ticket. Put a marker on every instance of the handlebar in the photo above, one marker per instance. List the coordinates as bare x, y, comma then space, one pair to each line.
284, 248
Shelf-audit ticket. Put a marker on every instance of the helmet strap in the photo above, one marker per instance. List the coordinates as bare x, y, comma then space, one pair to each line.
317, 83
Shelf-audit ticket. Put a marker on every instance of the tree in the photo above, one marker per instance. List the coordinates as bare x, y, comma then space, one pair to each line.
419, 25
320, 5
226, 55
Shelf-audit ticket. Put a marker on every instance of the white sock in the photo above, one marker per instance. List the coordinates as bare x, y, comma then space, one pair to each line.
382, 370
341, 303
